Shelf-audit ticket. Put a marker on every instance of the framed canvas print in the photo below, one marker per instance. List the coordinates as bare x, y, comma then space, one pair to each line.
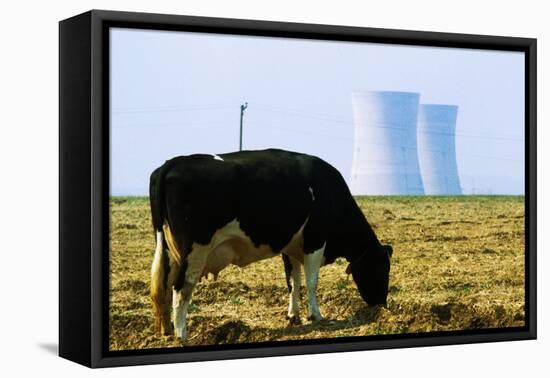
234, 188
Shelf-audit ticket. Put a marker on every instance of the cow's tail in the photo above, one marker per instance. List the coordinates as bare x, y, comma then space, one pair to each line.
160, 292
156, 196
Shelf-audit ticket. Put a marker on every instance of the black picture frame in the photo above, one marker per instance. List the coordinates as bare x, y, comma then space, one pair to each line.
84, 185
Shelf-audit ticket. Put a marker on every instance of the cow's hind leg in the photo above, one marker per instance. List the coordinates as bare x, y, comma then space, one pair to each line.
312, 264
183, 288
293, 273
163, 273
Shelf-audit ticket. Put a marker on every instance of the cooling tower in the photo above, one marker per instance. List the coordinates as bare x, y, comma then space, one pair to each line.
436, 149
385, 160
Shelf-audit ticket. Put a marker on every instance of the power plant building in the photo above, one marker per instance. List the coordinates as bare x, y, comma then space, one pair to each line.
385, 152
437, 150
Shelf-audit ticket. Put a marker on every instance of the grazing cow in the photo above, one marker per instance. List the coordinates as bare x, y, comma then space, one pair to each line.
210, 211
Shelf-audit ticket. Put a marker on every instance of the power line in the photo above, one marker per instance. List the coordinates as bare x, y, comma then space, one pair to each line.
243, 108
369, 142
333, 119
217, 124
296, 113
166, 109
223, 125
325, 118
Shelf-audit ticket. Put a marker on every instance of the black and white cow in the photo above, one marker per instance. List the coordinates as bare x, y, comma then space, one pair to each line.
210, 211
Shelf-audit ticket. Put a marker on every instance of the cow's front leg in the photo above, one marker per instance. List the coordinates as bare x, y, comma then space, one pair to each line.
183, 289
312, 264
293, 272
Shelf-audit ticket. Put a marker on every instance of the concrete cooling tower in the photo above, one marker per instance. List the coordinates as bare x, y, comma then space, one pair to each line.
385, 159
436, 149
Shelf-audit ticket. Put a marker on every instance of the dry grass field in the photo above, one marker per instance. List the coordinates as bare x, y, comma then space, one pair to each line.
458, 263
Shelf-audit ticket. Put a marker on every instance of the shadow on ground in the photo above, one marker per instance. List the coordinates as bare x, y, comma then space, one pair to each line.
51, 348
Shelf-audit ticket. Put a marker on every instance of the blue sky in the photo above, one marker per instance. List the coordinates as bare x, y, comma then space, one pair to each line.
177, 93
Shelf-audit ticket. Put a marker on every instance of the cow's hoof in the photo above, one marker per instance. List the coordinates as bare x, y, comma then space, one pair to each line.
181, 334
315, 317
294, 320
181, 341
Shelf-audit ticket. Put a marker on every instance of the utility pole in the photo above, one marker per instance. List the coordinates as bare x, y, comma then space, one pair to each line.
243, 108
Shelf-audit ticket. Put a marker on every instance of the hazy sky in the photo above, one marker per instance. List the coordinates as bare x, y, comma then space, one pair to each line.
177, 93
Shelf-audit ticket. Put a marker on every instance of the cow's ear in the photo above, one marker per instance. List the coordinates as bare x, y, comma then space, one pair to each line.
389, 250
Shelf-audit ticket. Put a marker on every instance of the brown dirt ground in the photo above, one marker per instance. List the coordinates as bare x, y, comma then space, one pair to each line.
458, 264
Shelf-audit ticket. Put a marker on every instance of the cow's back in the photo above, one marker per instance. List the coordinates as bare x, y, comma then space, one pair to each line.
274, 193
271, 193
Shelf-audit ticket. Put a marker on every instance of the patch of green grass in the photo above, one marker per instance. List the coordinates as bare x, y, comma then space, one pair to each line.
193, 308
403, 329
236, 301
341, 284
340, 261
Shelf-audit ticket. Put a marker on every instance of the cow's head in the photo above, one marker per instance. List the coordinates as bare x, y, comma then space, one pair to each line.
371, 273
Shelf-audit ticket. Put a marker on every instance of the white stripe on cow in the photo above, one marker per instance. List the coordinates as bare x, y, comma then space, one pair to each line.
294, 300
312, 264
